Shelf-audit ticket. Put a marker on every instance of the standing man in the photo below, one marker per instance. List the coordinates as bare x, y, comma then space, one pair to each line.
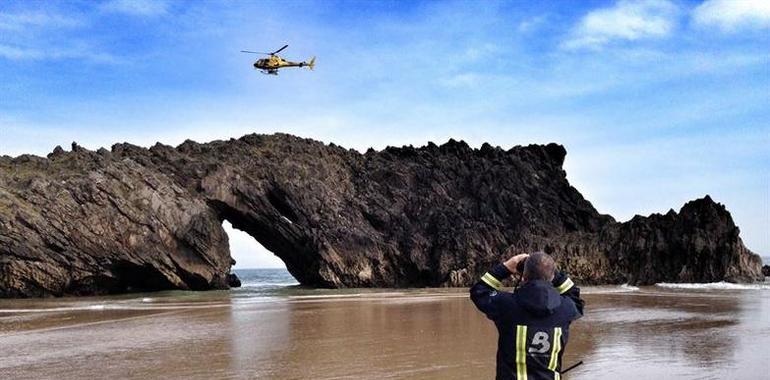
533, 321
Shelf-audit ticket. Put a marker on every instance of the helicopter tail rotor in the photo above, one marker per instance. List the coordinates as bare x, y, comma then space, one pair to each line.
311, 64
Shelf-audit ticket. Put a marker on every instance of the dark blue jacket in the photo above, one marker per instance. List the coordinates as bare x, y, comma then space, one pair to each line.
532, 322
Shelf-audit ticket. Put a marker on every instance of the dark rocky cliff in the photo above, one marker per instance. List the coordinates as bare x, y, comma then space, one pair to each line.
85, 222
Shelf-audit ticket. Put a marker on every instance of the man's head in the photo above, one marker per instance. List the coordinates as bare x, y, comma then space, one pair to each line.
539, 266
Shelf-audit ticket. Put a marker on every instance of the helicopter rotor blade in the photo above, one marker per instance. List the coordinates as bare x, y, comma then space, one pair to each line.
279, 50
254, 52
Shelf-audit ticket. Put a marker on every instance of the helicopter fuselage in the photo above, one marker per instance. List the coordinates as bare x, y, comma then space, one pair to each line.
271, 64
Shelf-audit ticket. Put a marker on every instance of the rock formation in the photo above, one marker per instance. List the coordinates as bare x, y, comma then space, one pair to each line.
127, 219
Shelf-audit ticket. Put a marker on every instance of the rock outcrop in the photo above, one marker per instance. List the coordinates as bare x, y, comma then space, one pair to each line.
84, 222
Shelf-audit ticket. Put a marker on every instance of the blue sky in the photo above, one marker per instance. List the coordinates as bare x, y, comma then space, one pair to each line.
657, 102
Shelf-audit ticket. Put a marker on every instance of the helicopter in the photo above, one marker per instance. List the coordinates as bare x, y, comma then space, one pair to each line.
273, 62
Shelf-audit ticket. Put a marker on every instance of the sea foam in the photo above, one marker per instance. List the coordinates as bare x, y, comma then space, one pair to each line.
604, 289
715, 286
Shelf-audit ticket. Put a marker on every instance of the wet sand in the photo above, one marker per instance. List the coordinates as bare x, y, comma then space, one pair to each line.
424, 334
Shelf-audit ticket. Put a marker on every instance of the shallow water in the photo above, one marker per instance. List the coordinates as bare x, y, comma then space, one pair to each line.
269, 330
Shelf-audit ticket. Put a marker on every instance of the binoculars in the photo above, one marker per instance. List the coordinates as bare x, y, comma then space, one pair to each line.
520, 266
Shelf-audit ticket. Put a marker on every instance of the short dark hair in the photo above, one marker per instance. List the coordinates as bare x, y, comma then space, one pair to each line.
539, 266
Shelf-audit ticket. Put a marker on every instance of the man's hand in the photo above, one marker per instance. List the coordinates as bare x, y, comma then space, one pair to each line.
514, 261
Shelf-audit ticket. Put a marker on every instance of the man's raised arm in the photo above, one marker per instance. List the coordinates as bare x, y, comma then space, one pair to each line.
485, 293
566, 287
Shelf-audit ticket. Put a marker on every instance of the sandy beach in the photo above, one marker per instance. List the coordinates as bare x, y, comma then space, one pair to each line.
652, 332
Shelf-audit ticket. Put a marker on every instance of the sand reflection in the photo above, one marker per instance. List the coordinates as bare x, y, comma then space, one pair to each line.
424, 334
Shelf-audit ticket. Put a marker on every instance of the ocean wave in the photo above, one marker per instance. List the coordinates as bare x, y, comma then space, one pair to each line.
714, 286
625, 288
62, 309
146, 304
323, 296
267, 284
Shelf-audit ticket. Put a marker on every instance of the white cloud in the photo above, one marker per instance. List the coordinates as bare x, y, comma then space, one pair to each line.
732, 15
75, 51
21, 21
137, 7
247, 251
461, 80
47, 34
16, 53
480, 52
531, 24
625, 21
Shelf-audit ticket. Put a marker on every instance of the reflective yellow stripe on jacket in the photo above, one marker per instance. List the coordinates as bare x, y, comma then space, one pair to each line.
521, 352
566, 285
555, 353
491, 281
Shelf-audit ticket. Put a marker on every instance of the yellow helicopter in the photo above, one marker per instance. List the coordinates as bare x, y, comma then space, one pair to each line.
271, 64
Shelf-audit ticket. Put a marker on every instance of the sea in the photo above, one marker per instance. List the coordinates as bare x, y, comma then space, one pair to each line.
272, 328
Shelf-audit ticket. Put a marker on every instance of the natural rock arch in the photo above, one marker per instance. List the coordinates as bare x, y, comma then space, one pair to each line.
131, 218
